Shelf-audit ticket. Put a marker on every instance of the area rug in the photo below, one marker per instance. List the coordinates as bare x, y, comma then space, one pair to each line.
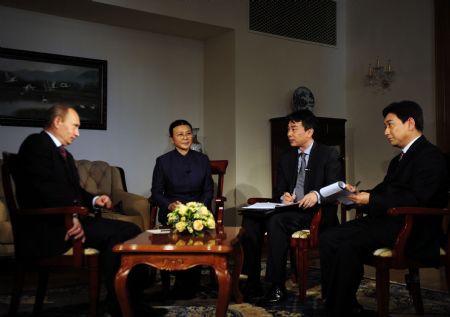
72, 301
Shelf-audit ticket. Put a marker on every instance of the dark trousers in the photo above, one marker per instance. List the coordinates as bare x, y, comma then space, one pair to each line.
343, 250
279, 229
102, 234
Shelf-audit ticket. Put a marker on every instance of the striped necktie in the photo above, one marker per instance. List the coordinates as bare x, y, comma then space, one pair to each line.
300, 184
63, 152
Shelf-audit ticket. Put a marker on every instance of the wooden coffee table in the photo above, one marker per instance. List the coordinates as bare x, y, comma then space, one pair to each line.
174, 251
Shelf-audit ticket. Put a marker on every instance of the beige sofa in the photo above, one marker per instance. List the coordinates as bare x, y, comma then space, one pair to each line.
97, 177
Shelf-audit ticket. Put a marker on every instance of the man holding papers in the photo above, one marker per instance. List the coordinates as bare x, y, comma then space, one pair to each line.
417, 176
302, 171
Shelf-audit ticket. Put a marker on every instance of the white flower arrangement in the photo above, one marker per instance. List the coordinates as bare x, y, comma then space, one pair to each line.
193, 217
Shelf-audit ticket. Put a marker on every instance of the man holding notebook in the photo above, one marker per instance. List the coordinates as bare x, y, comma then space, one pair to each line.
302, 171
417, 176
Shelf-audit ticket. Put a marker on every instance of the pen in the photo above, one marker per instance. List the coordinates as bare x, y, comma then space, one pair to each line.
356, 186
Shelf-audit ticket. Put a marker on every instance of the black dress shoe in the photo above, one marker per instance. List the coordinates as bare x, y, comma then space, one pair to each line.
275, 294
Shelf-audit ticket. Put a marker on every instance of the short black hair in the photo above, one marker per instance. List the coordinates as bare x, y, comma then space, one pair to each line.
308, 119
404, 110
58, 110
177, 123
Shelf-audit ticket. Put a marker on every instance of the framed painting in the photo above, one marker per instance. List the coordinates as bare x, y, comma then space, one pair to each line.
32, 82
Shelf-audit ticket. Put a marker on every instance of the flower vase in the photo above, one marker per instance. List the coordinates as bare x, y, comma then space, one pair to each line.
196, 146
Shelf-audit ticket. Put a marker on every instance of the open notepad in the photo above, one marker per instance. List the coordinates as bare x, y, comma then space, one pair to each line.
336, 191
265, 208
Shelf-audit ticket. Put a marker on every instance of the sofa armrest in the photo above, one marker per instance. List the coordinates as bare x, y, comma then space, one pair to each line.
133, 205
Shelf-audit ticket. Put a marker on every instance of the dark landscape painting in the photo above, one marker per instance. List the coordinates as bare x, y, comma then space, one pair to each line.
31, 82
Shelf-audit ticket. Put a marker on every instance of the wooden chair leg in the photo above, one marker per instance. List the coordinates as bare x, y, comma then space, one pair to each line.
447, 275
293, 258
40, 292
413, 285
302, 273
382, 291
94, 291
16, 291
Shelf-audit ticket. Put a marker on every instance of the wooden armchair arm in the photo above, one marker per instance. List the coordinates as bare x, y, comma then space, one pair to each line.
254, 200
82, 211
314, 228
425, 211
77, 245
400, 244
220, 207
153, 213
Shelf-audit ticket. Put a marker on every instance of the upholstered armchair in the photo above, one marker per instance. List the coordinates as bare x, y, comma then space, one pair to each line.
96, 177
6, 236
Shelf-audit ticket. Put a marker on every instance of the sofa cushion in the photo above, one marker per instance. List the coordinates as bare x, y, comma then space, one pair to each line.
4, 214
95, 176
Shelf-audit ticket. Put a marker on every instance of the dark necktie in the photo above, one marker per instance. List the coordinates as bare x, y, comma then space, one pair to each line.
299, 186
401, 156
63, 152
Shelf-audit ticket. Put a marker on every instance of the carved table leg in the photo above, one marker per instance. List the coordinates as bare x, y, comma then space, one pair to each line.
121, 289
238, 259
224, 281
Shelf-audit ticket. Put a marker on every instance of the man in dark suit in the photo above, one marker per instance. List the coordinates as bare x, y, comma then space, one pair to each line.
302, 171
47, 177
415, 177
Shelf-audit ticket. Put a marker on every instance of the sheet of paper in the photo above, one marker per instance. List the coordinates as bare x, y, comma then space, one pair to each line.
336, 191
158, 231
266, 205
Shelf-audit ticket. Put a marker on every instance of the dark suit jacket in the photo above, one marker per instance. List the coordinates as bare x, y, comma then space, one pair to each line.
419, 179
45, 179
324, 168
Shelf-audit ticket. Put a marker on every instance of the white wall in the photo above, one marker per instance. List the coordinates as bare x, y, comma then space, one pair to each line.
155, 78
152, 80
402, 30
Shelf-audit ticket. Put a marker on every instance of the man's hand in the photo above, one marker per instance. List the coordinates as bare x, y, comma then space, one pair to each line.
351, 188
173, 205
360, 198
308, 201
76, 232
103, 201
288, 198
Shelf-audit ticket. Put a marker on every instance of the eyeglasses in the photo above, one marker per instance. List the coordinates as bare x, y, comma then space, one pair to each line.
183, 135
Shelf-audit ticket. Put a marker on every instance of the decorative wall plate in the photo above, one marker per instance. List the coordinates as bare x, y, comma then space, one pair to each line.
303, 98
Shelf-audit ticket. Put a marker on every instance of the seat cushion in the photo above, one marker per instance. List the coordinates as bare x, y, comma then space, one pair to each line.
387, 253
301, 234
88, 251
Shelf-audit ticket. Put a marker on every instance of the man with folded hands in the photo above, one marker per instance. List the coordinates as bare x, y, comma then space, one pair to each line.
302, 171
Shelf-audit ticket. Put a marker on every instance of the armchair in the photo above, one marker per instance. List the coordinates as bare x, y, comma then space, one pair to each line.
385, 259
77, 257
98, 177
302, 242
218, 168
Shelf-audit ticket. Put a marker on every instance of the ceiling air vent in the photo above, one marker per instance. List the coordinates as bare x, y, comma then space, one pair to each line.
308, 20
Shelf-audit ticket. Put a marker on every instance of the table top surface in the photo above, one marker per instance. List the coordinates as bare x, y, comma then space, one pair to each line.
220, 240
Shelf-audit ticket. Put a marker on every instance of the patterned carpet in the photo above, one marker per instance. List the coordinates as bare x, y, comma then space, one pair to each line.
71, 302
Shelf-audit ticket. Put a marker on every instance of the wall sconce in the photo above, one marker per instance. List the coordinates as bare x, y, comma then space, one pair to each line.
380, 77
